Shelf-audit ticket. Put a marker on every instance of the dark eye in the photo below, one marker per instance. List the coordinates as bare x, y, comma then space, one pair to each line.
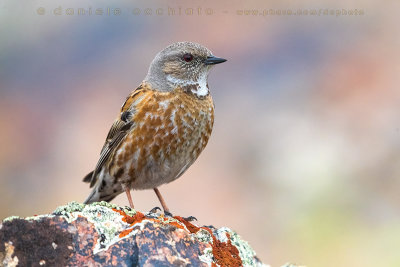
187, 57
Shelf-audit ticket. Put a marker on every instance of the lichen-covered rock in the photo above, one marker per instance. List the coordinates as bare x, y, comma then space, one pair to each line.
102, 234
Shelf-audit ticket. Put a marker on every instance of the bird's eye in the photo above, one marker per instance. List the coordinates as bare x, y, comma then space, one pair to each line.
187, 57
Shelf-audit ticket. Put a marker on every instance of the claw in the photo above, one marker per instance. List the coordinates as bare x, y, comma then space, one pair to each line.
154, 210
190, 218
168, 214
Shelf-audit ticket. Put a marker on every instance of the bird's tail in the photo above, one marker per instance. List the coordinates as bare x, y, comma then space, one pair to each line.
99, 192
93, 197
96, 196
88, 177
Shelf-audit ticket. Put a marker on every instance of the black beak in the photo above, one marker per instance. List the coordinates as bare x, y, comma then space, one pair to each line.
214, 60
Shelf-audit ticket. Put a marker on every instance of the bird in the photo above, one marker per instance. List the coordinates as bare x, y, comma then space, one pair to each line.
162, 127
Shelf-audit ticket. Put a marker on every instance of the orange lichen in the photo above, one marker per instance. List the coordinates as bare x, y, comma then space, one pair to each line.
137, 218
125, 232
225, 253
192, 228
177, 225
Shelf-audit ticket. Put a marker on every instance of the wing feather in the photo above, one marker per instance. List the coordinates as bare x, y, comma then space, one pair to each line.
109, 148
121, 126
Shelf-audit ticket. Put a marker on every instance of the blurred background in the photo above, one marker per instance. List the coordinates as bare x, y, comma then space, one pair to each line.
304, 159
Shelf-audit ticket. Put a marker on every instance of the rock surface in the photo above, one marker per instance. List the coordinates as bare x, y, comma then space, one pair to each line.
103, 234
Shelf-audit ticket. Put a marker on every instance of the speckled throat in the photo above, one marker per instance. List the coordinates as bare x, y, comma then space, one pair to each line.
198, 88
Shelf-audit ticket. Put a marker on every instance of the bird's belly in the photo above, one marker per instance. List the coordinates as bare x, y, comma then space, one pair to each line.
161, 150
166, 168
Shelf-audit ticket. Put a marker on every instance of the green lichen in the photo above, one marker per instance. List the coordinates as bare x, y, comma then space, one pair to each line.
107, 222
69, 208
9, 219
125, 209
207, 256
203, 236
128, 211
104, 204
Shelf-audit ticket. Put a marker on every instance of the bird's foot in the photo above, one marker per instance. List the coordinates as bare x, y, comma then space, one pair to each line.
168, 214
190, 218
154, 210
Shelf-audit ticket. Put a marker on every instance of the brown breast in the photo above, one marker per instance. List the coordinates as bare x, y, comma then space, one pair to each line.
171, 129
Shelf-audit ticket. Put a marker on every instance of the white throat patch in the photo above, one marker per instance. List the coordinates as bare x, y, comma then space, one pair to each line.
202, 89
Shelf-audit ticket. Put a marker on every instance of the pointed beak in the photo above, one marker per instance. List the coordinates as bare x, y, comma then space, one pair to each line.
214, 60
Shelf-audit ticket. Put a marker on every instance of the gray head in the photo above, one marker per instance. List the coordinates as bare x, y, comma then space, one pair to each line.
180, 65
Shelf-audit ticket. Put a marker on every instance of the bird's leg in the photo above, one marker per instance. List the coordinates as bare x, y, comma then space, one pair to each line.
162, 201
128, 194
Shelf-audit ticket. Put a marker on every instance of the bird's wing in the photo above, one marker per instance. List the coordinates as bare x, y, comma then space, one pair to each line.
121, 126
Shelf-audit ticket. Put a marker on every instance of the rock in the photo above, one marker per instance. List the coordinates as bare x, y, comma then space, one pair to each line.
103, 234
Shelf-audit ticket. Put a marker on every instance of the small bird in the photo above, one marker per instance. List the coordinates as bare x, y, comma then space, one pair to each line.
161, 128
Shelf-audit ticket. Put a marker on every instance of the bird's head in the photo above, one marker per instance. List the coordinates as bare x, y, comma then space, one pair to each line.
180, 65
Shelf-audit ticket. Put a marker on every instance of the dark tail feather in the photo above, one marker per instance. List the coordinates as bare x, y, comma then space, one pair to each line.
95, 196
99, 192
88, 177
